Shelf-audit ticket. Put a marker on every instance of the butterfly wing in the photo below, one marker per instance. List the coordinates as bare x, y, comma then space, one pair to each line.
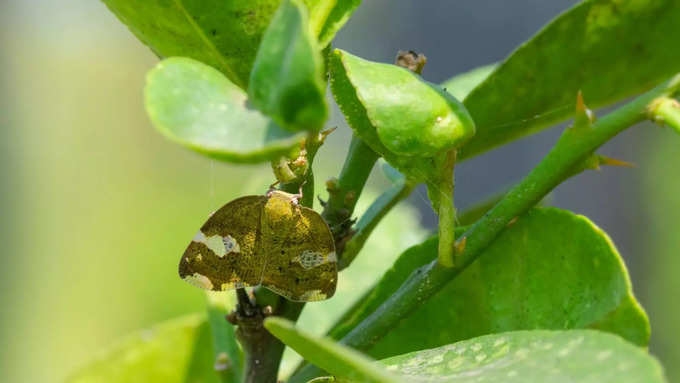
301, 261
225, 253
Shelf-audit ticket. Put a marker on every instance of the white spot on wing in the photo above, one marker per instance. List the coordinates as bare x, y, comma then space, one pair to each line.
216, 244
309, 259
331, 257
199, 280
221, 246
230, 245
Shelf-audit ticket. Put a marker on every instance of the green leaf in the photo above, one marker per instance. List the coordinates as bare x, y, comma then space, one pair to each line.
224, 34
335, 358
228, 353
197, 107
462, 84
287, 81
609, 49
179, 351
583, 356
551, 269
410, 117
329, 16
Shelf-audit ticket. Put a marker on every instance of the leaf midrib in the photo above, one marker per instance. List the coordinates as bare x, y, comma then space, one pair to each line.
232, 76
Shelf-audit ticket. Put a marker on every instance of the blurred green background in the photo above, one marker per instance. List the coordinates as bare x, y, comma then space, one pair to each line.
97, 207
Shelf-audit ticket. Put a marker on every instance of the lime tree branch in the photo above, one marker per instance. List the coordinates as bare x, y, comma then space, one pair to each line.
574, 147
344, 192
263, 351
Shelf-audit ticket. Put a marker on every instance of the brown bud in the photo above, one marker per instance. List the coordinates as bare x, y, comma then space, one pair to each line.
411, 61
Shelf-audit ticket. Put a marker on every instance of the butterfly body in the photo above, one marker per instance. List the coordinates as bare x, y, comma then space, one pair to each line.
264, 240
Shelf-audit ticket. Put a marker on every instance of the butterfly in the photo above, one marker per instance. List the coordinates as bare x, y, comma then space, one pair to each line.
265, 240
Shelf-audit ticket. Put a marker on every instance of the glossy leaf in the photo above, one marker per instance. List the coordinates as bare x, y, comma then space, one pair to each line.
608, 49
197, 107
179, 351
551, 269
223, 34
462, 84
583, 356
287, 81
329, 16
335, 358
410, 116
417, 169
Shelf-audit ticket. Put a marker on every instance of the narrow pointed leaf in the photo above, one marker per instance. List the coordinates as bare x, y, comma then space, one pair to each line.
197, 107
462, 84
504, 290
583, 356
329, 16
609, 49
335, 358
287, 81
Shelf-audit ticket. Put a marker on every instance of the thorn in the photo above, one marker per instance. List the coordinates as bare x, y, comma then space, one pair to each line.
512, 222
460, 245
584, 117
594, 161
325, 133
580, 104
608, 161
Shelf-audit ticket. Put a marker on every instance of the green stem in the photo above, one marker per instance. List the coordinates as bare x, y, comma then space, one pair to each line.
666, 110
447, 211
344, 192
573, 147
370, 219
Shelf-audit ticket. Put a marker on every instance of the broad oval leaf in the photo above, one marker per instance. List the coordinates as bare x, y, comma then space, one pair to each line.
224, 34
337, 359
197, 107
608, 49
179, 351
551, 269
287, 81
583, 356
410, 116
